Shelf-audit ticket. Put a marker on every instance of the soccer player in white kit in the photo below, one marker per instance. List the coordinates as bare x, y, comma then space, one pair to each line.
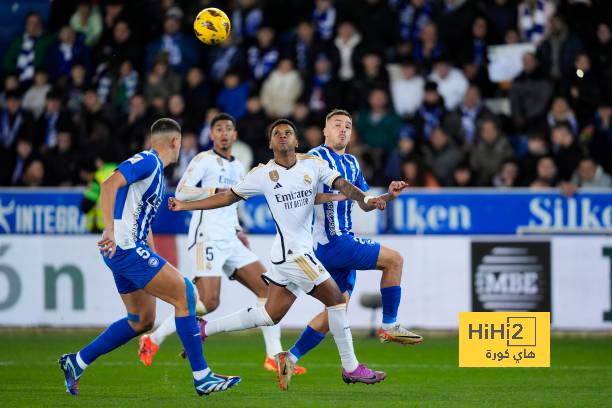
215, 242
289, 183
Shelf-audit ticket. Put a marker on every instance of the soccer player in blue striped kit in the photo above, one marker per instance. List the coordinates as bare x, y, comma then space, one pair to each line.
341, 252
130, 198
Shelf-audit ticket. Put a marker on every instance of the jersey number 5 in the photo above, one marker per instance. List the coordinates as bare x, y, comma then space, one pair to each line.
143, 253
209, 254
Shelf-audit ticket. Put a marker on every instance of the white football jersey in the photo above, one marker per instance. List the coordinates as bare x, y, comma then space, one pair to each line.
207, 172
290, 193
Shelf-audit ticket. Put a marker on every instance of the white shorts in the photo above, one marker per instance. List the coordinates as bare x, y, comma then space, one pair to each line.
302, 273
218, 258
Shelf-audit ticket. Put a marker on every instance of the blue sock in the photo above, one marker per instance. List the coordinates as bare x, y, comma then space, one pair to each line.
309, 339
189, 333
390, 303
114, 336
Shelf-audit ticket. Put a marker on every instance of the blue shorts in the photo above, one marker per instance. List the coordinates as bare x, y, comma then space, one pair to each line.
345, 254
133, 268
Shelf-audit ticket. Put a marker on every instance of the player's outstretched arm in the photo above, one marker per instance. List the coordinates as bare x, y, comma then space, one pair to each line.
108, 194
216, 201
395, 189
322, 198
353, 193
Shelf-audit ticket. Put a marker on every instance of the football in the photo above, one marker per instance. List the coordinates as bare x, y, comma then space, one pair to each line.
212, 26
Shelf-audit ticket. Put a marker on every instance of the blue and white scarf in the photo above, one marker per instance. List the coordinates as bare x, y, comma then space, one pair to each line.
262, 64
25, 61
533, 23
246, 26
170, 44
324, 22
412, 21
431, 118
10, 132
223, 63
301, 55
468, 123
51, 138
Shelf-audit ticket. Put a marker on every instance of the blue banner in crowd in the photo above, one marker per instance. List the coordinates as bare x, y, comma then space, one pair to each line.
57, 211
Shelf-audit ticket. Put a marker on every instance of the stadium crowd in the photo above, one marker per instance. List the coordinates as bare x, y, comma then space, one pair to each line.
82, 84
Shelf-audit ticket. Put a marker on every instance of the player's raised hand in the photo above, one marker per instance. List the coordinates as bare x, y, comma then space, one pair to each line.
378, 203
175, 204
107, 244
396, 187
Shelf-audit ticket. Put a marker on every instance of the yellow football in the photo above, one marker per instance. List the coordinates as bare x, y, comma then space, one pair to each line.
212, 26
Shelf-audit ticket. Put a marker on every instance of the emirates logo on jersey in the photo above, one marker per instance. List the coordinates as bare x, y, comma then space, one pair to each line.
273, 176
307, 180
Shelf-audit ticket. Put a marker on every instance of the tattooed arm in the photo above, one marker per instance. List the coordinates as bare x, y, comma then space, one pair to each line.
353, 193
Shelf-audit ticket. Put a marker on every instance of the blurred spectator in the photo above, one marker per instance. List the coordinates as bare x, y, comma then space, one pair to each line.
565, 150
182, 50
196, 94
405, 145
204, 140
94, 172
428, 48
118, 47
161, 82
305, 47
416, 174
11, 83
76, 88
252, 126
462, 175
407, 91
537, 147
281, 89
302, 117
348, 44
33, 174
530, 94
246, 20
430, 113
68, 50
97, 128
263, 56
558, 52
377, 23
442, 155
233, 96
125, 85
473, 58
508, 175
50, 121
413, 15
28, 51
601, 50
61, 161
451, 83
34, 98
534, 20
313, 136
134, 126
243, 153
502, 15
590, 175
224, 57
461, 124
14, 161
15, 122
584, 89
600, 144
324, 18
379, 125
189, 150
490, 151
324, 90
454, 20
371, 74
560, 112
176, 110
547, 175
88, 21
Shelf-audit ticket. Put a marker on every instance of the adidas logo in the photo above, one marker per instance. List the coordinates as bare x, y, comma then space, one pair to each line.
278, 185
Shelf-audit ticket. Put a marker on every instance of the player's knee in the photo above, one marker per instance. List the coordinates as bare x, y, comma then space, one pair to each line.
211, 303
395, 262
141, 323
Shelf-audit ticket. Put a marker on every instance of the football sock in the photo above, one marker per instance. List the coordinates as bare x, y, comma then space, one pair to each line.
271, 334
189, 333
309, 339
339, 326
114, 336
390, 303
164, 330
243, 319
198, 375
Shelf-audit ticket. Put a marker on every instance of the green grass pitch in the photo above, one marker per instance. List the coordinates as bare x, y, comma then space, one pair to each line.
426, 375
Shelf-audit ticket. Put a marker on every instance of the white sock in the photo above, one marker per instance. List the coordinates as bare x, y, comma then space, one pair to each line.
80, 361
271, 334
243, 319
198, 375
165, 329
339, 326
388, 326
292, 357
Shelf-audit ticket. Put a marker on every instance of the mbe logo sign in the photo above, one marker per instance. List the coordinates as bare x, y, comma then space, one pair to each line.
511, 276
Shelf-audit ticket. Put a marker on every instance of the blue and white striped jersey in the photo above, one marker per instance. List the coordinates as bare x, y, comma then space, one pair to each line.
138, 201
334, 218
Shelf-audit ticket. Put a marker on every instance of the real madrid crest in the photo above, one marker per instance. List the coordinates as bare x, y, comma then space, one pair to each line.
307, 180
219, 161
273, 175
